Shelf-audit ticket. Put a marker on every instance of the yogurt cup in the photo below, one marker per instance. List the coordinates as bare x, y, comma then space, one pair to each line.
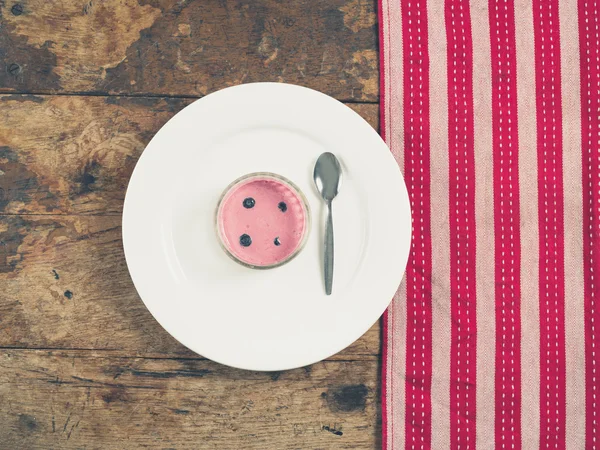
263, 220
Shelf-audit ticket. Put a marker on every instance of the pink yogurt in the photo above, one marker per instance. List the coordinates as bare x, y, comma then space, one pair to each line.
262, 220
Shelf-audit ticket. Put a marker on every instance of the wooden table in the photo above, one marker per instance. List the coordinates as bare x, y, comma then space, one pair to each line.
85, 85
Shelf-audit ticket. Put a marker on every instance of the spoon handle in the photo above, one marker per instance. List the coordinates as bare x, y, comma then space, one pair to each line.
328, 272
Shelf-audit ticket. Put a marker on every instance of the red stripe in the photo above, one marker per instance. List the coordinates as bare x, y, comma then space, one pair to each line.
506, 225
589, 42
383, 48
382, 131
551, 226
418, 272
463, 347
384, 381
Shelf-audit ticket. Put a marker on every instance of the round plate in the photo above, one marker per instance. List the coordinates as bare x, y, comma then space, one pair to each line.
272, 319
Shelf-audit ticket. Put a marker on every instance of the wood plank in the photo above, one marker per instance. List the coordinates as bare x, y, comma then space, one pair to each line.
77, 400
74, 155
187, 48
64, 284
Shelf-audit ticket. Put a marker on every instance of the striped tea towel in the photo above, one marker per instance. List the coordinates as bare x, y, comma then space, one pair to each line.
492, 110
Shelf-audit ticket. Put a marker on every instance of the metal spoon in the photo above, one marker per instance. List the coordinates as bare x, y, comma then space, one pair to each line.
327, 176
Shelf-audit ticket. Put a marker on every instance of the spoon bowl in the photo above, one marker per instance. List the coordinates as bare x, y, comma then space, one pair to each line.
328, 176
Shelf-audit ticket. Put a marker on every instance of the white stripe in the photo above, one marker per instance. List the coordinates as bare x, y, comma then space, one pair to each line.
396, 356
393, 85
388, 407
385, 70
397, 370
574, 284
528, 175
440, 233
484, 218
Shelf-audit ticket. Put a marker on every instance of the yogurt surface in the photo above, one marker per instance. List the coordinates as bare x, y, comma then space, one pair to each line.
262, 220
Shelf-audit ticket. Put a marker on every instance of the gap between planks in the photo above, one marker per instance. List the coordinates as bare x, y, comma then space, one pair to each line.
142, 95
121, 354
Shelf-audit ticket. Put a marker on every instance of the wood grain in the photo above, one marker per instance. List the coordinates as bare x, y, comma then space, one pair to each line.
74, 155
126, 383
83, 364
70, 399
188, 48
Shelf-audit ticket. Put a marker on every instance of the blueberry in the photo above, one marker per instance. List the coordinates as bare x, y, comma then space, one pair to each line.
282, 206
245, 240
277, 242
249, 203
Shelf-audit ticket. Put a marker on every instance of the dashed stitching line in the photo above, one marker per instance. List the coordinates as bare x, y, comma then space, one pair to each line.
462, 57
421, 214
502, 234
552, 87
591, 212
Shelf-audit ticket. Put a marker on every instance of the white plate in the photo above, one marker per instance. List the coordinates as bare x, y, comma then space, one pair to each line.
264, 319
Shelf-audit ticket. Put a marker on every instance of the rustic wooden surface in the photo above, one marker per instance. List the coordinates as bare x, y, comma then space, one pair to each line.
86, 85
188, 48
74, 399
